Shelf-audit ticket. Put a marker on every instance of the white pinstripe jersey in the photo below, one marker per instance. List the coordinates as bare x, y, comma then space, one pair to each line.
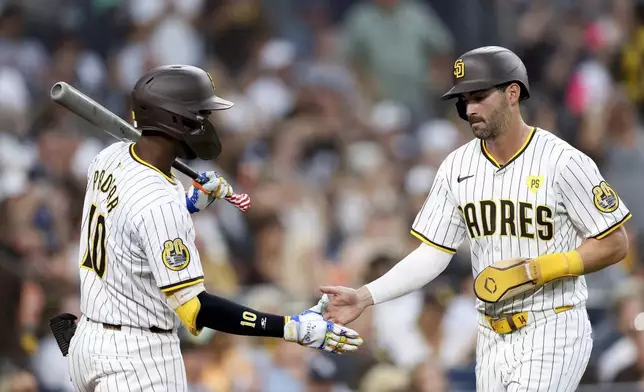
548, 198
137, 241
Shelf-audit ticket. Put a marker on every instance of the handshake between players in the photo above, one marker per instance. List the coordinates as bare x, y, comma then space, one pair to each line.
309, 328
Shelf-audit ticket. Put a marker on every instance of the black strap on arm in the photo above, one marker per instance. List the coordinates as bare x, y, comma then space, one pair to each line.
226, 316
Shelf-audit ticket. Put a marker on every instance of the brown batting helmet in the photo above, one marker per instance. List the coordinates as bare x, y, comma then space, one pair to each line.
484, 68
176, 100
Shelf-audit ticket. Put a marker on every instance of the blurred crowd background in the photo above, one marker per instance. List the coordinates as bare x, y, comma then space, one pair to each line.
336, 133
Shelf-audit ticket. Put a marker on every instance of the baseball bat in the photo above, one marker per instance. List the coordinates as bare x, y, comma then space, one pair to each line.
86, 108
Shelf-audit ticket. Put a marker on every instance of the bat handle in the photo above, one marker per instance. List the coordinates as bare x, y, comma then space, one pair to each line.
190, 172
241, 201
185, 169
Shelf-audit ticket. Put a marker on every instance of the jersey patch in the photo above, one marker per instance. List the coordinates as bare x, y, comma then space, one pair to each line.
534, 183
605, 198
176, 255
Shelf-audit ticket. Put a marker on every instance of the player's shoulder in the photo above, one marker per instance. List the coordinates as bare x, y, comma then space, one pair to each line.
140, 185
104, 158
144, 192
109, 152
115, 147
549, 139
559, 151
140, 176
154, 209
464, 153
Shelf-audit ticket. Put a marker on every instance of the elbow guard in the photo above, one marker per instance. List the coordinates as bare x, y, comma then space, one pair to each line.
188, 315
186, 305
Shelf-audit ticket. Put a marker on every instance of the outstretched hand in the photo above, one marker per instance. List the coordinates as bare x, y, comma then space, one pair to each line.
310, 329
344, 304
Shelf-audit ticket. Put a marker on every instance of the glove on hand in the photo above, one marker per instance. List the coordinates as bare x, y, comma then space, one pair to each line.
310, 329
197, 200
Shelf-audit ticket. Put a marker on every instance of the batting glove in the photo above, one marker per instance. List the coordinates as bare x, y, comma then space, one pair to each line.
197, 200
310, 329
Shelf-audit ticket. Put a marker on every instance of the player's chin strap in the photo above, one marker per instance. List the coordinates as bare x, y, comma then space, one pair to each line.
63, 328
508, 278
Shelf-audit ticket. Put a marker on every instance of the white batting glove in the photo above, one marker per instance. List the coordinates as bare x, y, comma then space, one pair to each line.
310, 329
197, 200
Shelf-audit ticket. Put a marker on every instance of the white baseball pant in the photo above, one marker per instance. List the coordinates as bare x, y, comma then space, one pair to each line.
130, 359
549, 354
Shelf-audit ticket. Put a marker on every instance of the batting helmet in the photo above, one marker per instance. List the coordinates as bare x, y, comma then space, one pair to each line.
484, 68
176, 100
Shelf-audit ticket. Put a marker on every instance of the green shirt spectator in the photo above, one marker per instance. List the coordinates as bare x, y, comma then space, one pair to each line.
391, 44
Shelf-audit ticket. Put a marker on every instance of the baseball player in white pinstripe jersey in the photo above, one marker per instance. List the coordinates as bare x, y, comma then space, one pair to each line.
538, 215
141, 277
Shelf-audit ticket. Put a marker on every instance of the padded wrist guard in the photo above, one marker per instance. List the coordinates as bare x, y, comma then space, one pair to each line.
508, 278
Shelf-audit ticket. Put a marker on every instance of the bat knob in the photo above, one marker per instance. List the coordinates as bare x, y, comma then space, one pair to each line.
58, 90
241, 201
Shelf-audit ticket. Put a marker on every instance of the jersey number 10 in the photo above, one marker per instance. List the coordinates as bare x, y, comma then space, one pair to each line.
95, 258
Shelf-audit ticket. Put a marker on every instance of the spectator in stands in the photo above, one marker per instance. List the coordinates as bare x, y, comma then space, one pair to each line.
390, 44
621, 361
429, 376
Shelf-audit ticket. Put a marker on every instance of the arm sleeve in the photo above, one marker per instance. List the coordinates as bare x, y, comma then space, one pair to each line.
413, 272
593, 206
167, 236
197, 309
226, 316
439, 222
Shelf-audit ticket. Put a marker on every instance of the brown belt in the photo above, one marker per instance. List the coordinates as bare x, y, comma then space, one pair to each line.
152, 329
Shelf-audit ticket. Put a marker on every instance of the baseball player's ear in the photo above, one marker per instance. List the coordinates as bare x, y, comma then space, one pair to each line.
513, 92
